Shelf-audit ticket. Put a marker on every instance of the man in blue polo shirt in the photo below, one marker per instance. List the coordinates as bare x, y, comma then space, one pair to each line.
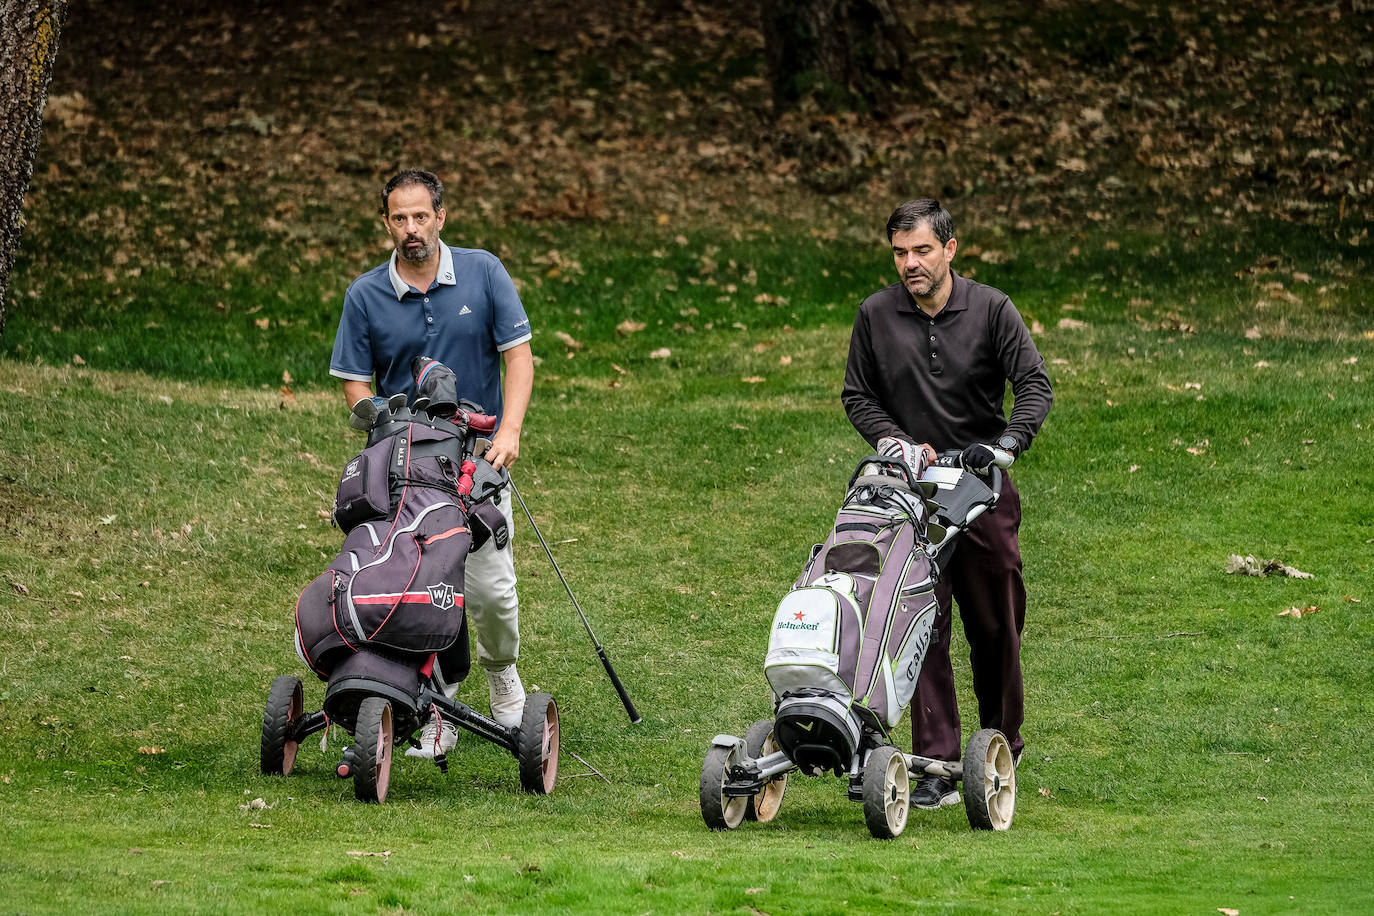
458, 306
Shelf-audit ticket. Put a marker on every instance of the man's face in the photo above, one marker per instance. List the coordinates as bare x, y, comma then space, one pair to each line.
922, 262
412, 223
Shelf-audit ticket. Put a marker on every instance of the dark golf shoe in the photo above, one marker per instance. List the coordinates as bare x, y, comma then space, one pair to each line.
933, 792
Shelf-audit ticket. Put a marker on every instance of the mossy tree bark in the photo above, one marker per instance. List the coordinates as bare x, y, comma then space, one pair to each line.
28, 47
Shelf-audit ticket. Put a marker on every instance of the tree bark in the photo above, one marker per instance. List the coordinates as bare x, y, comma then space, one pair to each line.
843, 54
28, 47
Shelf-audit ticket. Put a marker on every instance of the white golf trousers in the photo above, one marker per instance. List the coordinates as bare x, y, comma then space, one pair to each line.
489, 596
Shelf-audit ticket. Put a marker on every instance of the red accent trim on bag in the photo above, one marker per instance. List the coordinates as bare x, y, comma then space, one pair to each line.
444, 534
393, 598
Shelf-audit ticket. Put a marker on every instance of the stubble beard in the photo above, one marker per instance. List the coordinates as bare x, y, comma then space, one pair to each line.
417, 255
933, 285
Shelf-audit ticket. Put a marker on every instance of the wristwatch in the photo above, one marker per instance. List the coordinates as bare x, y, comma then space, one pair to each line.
1008, 444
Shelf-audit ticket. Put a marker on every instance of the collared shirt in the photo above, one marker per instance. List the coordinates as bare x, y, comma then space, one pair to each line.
467, 317
942, 380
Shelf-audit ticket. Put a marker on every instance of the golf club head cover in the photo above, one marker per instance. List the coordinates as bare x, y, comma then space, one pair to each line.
904, 451
471, 416
437, 382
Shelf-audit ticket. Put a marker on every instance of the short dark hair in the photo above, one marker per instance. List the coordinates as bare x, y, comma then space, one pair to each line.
428, 180
922, 210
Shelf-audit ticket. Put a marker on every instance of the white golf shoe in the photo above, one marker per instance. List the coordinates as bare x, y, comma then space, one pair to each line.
507, 695
433, 737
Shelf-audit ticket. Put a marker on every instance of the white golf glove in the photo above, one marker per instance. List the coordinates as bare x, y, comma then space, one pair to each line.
908, 453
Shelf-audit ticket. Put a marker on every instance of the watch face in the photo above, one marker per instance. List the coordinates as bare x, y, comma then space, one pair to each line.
1007, 442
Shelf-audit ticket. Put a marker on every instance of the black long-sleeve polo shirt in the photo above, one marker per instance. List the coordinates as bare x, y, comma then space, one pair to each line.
942, 380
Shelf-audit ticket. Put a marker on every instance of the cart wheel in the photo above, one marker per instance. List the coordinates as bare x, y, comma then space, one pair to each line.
285, 706
372, 737
720, 811
536, 744
759, 742
989, 781
887, 792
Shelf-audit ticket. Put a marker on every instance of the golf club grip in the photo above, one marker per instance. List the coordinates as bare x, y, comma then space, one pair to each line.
629, 705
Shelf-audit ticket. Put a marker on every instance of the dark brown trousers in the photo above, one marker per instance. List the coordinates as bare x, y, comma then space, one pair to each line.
984, 579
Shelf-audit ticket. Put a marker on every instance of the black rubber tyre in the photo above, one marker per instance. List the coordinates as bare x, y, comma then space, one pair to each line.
373, 738
721, 812
887, 793
989, 781
536, 744
285, 707
759, 742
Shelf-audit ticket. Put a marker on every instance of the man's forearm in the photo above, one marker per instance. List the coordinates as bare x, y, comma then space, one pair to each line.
517, 386
355, 391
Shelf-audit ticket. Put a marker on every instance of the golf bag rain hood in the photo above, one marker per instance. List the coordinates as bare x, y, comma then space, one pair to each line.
848, 640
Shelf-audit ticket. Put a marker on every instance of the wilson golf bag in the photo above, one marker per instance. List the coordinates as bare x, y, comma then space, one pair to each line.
387, 613
848, 640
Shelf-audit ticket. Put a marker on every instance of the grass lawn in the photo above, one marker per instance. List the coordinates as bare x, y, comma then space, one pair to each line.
1190, 748
1177, 199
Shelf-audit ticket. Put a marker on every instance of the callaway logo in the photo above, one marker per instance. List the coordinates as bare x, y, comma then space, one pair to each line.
465, 311
441, 596
352, 470
521, 323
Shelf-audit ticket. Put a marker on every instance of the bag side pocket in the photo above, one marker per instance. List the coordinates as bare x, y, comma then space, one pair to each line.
364, 493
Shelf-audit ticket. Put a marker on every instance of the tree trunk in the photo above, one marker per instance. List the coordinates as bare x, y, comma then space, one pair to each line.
844, 54
28, 47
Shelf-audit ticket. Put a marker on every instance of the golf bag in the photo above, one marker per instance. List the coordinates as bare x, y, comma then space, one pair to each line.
848, 640
389, 609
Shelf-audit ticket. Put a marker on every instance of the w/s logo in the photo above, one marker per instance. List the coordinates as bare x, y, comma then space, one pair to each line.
441, 596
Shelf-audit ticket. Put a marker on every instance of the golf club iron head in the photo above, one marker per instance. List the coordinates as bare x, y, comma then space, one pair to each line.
365, 412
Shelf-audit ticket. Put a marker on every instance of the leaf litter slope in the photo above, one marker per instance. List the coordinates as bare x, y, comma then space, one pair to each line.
620, 111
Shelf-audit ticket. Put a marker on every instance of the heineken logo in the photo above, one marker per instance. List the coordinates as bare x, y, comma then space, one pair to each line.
798, 622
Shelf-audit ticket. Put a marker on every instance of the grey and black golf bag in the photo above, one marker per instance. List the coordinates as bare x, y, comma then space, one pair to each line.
848, 640
388, 611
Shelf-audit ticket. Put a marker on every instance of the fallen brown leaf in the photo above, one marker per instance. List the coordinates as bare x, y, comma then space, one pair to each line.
1298, 612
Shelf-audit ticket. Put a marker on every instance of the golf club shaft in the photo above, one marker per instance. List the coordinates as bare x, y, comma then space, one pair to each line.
600, 652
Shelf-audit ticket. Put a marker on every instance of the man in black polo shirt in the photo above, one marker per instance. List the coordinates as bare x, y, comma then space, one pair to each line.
929, 361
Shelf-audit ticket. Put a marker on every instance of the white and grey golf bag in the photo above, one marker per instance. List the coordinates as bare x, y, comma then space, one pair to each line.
848, 640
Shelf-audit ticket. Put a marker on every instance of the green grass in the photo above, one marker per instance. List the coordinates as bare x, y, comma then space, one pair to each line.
1173, 197
1188, 747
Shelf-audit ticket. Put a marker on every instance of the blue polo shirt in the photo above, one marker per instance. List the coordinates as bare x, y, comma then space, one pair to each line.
468, 316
